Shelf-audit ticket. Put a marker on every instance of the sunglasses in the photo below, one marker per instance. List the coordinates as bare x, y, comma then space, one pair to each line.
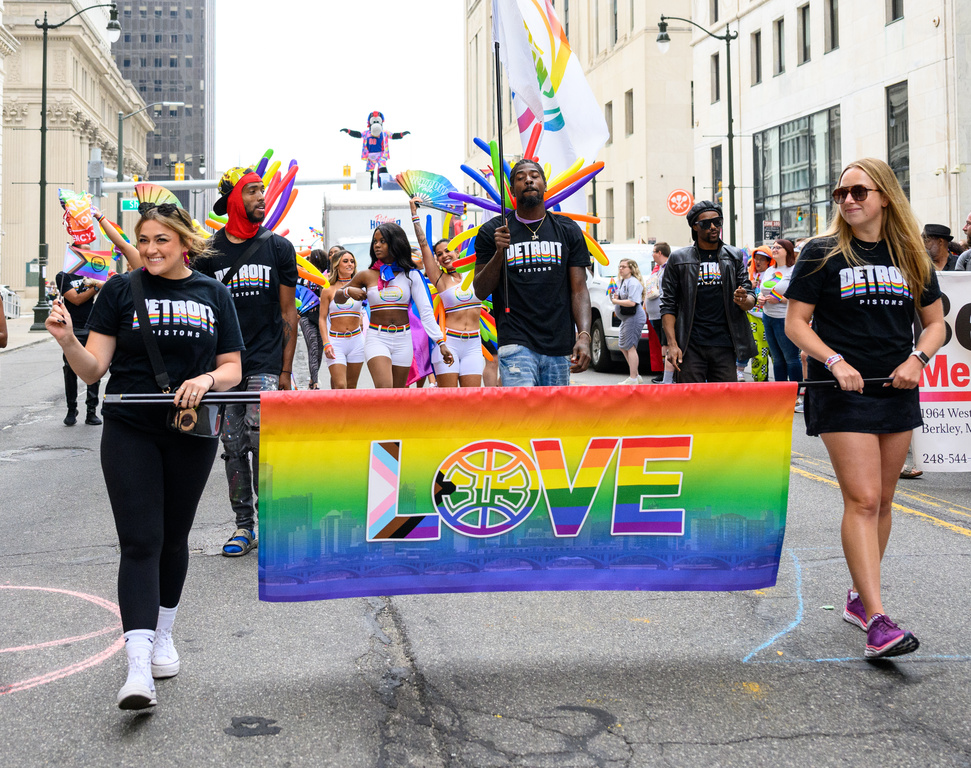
166, 209
858, 192
709, 223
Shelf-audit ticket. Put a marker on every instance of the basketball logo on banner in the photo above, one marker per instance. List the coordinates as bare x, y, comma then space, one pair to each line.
492, 486
680, 202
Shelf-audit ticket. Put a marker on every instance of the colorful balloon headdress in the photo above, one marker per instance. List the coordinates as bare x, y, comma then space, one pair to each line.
227, 183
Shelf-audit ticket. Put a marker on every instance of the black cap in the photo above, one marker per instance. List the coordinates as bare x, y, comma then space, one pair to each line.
702, 206
937, 230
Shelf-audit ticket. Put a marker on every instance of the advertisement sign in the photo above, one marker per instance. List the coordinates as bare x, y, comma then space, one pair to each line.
771, 231
390, 492
680, 202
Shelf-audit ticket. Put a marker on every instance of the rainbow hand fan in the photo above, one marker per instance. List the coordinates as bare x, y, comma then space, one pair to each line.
431, 188
153, 193
307, 300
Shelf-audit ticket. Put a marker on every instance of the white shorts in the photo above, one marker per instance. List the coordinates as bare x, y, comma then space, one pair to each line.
466, 348
394, 343
348, 348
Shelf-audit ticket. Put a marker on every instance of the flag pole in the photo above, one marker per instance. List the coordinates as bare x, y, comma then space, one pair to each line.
500, 174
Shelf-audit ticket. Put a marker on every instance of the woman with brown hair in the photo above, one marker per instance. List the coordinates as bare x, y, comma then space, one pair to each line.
772, 301
155, 475
628, 302
341, 327
852, 299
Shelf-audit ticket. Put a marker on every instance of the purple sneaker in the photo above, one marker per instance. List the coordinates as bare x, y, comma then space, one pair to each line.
884, 638
854, 612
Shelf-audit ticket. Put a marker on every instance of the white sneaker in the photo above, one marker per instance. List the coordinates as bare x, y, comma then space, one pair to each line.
638, 380
628, 380
165, 659
138, 692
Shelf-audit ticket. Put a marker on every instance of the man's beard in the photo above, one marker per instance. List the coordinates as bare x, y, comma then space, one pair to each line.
254, 217
532, 198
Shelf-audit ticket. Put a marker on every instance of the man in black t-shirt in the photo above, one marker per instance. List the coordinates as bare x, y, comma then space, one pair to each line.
262, 286
78, 296
534, 265
706, 292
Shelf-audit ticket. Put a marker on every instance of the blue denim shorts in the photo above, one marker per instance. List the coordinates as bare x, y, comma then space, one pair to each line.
520, 366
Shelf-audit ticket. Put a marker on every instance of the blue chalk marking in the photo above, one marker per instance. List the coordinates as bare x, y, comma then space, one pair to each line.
799, 613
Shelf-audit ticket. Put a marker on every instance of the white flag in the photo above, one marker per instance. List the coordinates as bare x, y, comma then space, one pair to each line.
547, 83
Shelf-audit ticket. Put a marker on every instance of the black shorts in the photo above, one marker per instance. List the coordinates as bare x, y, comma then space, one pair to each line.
833, 410
659, 330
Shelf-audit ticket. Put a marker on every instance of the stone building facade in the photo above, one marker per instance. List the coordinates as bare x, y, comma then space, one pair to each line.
85, 92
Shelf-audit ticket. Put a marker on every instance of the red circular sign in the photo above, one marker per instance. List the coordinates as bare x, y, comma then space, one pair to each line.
680, 202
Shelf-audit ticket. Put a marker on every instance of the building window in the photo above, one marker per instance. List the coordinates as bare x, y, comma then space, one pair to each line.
596, 23
143, 62
757, 57
715, 79
802, 28
797, 164
629, 112
143, 11
158, 61
716, 174
713, 10
615, 29
188, 38
609, 118
126, 12
566, 18
188, 13
609, 214
158, 38
630, 211
898, 134
173, 61
895, 10
127, 38
187, 111
174, 39
779, 45
158, 13
631, 15
832, 24
126, 63
174, 11
143, 38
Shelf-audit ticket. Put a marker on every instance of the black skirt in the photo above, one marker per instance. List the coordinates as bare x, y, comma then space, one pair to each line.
878, 413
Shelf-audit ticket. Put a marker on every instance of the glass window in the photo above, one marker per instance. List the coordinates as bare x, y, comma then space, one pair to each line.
143, 38
832, 25
127, 37
716, 173
895, 10
715, 79
614, 34
609, 118
188, 38
174, 39
565, 18
609, 214
796, 166
757, 57
898, 134
630, 211
713, 11
802, 27
629, 112
779, 44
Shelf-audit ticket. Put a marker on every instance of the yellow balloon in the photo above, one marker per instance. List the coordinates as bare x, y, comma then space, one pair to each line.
461, 237
547, 170
467, 280
445, 225
270, 173
595, 250
568, 172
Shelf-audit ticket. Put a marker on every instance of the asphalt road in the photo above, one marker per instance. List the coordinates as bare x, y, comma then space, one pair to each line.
502, 679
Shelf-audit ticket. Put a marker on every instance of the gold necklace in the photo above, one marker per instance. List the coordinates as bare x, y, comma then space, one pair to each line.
534, 231
859, 243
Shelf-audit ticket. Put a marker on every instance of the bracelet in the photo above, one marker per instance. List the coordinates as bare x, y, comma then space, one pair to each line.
584, 333
831, 361
211, 377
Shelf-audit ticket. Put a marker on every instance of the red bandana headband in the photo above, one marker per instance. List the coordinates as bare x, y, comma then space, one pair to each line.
239, 224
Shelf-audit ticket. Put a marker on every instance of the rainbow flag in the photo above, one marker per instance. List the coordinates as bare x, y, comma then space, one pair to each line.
93, 264
573, 488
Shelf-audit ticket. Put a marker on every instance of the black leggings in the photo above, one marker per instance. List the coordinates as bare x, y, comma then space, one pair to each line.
315, 346
154, 484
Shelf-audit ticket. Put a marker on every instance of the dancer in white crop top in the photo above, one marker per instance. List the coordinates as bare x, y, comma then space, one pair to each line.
389, 286
462, 310
341, 325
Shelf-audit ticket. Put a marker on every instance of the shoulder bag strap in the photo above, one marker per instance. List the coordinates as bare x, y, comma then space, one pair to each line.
257, 241
151, 343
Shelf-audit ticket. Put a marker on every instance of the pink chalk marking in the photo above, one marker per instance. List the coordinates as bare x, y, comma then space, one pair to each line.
80, 666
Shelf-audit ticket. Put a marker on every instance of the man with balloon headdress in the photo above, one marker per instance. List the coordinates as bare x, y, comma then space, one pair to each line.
260, 270
376, 144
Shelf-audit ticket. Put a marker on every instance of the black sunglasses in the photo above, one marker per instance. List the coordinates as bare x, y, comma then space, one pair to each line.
709, 223
858, 192
166, 209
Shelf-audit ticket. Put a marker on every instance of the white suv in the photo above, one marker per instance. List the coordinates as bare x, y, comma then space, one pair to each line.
604, 323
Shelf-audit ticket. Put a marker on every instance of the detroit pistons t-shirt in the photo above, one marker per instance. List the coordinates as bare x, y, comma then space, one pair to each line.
710, 326
540, 314
865, 313
256, 293
193, 320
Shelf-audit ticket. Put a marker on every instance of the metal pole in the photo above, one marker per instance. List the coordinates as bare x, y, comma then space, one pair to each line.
731, 138
593, 190
43, 308
120, 162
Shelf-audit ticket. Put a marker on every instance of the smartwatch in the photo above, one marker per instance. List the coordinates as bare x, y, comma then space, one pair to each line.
924, 359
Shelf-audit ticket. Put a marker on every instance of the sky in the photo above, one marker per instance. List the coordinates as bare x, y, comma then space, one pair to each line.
290, 79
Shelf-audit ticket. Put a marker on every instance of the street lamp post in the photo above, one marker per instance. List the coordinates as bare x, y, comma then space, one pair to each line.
663, 43
43, 307
120, 175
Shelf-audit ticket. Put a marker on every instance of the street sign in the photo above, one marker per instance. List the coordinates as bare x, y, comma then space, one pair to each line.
129, 204
680, 202
771, 231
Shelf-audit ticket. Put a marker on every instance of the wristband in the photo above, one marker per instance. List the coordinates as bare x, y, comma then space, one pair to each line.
924, 359
282, 372
831, 361
211, 377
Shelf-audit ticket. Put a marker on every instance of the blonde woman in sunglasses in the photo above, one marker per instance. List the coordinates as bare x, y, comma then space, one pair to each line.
852, 299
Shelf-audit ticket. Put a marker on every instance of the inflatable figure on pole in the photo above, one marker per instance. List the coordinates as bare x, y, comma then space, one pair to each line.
376, 144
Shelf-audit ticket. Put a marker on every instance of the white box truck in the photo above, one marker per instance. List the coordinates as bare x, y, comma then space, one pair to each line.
350, 217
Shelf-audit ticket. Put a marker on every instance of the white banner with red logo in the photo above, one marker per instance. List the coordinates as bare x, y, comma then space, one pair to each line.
943, 444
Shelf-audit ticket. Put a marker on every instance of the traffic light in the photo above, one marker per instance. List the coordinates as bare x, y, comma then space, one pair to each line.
465, 211
799, 214
347, 173
134, 177
180, 171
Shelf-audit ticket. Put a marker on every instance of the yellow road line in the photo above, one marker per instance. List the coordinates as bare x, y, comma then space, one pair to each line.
936, 521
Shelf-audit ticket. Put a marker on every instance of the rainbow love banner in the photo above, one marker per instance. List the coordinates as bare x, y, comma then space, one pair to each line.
394, 492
